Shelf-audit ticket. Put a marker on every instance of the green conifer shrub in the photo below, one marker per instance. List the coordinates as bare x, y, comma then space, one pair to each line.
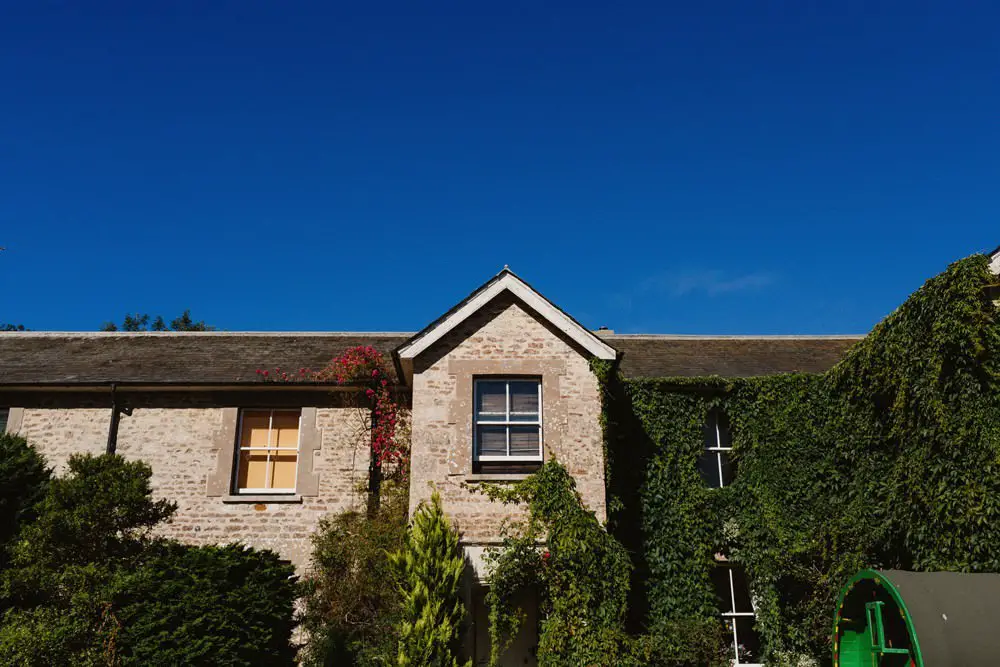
429, 568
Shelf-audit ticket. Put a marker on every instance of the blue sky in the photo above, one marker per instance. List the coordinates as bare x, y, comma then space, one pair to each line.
714, 167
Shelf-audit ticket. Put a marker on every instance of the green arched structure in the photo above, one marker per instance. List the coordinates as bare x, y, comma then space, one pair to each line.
893, 618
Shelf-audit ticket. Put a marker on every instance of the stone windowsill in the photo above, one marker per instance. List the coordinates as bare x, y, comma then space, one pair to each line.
497, 477
262, 498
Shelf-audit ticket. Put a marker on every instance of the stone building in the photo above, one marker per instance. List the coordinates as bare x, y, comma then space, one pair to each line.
498, 383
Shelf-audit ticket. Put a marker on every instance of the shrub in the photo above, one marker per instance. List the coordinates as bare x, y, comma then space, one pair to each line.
89, 585
429, 569
352, 605
69, 566
24, 479
228, 605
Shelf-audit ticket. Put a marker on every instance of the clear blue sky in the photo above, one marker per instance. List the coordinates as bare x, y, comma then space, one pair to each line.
696, 167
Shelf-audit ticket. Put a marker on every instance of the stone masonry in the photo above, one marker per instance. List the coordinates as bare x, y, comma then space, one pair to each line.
503, 338
181, 445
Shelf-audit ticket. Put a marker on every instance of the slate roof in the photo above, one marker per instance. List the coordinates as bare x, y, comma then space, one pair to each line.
222, 358
169, 358
727, 356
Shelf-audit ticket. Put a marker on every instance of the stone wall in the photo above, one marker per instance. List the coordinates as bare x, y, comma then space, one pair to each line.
503, 338
180, 439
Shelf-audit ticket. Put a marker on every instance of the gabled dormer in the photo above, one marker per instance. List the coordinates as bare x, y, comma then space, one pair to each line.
505, 283
502, 382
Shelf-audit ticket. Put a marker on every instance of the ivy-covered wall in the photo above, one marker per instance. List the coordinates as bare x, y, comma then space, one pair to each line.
890, 459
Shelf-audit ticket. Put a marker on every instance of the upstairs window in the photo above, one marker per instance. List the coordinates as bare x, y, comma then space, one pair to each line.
268, 451
715, 466
508, 420
738, 614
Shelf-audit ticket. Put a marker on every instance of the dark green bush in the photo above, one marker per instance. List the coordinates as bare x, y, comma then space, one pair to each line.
208, 605
24, 479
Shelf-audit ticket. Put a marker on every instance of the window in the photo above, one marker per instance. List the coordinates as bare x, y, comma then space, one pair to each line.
268, 451
738, 614
715, 466
4, 412
508, 416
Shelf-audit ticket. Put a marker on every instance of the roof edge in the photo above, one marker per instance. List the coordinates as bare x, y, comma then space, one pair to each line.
505, 281
195, 334
735, 336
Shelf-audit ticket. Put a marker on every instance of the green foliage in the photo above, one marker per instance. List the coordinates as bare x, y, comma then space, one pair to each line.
24, 480
429, 570
12, 327
352, 607
101, 512
888, 460
88, 584
141, 322
581, 577
227, 605
70, 564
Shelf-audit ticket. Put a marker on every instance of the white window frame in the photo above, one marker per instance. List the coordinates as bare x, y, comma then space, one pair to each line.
270, 430
718, 449
506, 422
731, 616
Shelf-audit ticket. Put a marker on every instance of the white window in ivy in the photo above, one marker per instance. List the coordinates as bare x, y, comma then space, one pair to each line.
508, 419
715, 466
738, 613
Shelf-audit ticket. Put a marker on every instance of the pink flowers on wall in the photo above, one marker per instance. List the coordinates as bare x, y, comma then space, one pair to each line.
362, 366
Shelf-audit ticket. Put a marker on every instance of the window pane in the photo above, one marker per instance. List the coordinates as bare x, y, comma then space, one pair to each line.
255, 427
252, 470
725, 433
524, 441
709, 429
524, 397
748, 641
728, 468
708, 466
720, 579
492, 440
283, 470
491, 397
286, 429
742, 590
3, 420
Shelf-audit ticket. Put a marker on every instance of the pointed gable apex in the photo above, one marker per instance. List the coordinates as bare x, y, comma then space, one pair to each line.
995, 261
505, 281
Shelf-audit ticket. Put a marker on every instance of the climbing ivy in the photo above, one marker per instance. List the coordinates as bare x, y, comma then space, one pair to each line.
890, 459
580, 575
